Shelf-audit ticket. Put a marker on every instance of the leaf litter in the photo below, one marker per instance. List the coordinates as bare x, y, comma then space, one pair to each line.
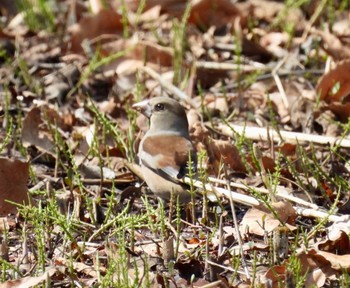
265, 88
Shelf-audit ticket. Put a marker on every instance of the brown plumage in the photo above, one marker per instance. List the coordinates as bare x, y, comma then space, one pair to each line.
166, 148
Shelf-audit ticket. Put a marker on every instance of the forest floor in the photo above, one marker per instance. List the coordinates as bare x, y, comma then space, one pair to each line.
265, 85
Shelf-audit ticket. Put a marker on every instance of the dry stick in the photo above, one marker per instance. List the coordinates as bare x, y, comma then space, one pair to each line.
257, 133
280, 192
167, 85
279, 83
318, 214
216, 284
218, 191
313, 19
249, 200
225, 267
237, 197
230, 66
239, 238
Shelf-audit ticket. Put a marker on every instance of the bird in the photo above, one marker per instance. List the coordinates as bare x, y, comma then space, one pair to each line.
166, 153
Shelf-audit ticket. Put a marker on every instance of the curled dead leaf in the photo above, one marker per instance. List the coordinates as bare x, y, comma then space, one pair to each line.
219, 151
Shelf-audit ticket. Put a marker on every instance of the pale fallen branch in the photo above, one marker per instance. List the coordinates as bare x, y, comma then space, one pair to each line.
236, 197
316, 214
257, 133
229, 66
218, 191
214, 192
168, 86
280, 192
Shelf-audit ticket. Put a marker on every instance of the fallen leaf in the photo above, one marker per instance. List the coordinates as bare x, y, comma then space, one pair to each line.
287, 149
219, 151
339, 245
333, 45
340, 109
337, 262
334, 86
34, 134
260, 220
89, 27
316, 271
28, 282
207, 13
14, 175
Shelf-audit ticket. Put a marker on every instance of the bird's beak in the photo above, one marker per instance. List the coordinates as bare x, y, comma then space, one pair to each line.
143, 107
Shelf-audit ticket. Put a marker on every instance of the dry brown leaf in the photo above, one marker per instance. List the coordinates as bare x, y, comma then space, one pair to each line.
33, 134
154, 53
340, 109
223, 152
207, 13
268, 162
333, 45
14, 175
219, 151
287, 149
339, 245
334, 86
260, 220
317, 271
337, 262
28, 282
276, 274
89, 27
145, 51
138, 54
172, 7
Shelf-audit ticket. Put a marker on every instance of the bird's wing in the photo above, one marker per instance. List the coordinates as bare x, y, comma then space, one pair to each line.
169, 154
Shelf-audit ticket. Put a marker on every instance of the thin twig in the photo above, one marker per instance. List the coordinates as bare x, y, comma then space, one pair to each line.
239, 237
279, 82
226, 267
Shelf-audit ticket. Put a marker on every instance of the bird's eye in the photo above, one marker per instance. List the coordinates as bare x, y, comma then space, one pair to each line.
159, 107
